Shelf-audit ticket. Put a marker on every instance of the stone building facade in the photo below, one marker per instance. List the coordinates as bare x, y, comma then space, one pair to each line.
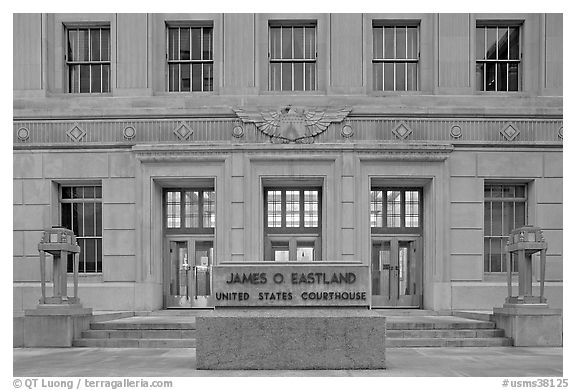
169, 143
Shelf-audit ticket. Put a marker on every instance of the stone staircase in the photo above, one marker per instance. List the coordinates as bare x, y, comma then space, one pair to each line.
165, 329
177, 329
443, 331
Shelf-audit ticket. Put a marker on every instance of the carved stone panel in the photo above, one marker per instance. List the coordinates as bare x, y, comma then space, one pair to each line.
293, 124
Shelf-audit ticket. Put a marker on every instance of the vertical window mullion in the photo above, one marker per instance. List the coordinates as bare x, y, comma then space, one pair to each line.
89, 59
168, 58
394, 62
402, 208
190, 55
179, 64
384, 208
281, 58
406, 56
508, 58
507, 79
270, 84
508, 40
302, 210
383, 57
83, 218
95, 255
201, 58
293, 63
496, 63
283, 208
417, 57
491, 217
490, 255
497, 44
200, 207
484, 53
292, 41
293, 72
182, 207
496, 74
94, 216
77, 43
100, 51
72, 216
304, 29
514, 214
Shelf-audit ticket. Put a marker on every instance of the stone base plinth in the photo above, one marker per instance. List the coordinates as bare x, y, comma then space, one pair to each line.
55, 325
284, 339
530, 325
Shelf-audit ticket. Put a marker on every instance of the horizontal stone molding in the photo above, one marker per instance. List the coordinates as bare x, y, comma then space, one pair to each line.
129, 132
327, 151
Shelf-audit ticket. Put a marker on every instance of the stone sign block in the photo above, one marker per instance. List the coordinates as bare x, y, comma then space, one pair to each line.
291, 339
280, 285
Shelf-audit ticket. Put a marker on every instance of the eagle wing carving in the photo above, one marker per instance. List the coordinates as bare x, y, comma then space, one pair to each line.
292, 124
318, 121
267, 121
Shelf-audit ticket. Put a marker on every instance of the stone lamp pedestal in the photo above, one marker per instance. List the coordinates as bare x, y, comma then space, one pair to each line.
526, 318
59, 319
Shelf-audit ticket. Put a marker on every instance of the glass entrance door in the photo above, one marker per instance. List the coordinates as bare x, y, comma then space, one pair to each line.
396, 269
187, 273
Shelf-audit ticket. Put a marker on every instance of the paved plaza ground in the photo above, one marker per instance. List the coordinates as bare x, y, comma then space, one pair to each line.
181, 362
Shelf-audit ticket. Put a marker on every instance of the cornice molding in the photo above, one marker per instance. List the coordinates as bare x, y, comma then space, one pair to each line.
215, 152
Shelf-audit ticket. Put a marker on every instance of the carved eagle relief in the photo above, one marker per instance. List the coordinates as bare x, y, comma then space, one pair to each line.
291, 124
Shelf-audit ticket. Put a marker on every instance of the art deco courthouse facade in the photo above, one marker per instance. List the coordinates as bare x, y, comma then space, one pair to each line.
411, 143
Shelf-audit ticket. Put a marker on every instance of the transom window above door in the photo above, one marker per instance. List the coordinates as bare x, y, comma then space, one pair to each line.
190, 210
292, 208
396, 210
292, 224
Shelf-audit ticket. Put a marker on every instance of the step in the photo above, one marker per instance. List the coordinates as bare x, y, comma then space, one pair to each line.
140, 334
474, 315
177, 312
135, 343
408, 312
429, 325
146, 323
100, 316
448, 342
445, 333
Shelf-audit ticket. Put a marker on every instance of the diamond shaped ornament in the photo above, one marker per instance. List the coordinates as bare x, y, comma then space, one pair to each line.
402, 131
509, 132
76, 133
183, 131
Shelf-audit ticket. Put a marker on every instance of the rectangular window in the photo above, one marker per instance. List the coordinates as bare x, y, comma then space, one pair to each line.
498, 58
190, 59
88, 59
293, 57
395, 55
396, 210
504, 210
190, 210
81, 212
292, 227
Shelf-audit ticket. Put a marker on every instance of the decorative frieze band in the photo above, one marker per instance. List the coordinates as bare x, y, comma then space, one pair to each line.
336, 129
